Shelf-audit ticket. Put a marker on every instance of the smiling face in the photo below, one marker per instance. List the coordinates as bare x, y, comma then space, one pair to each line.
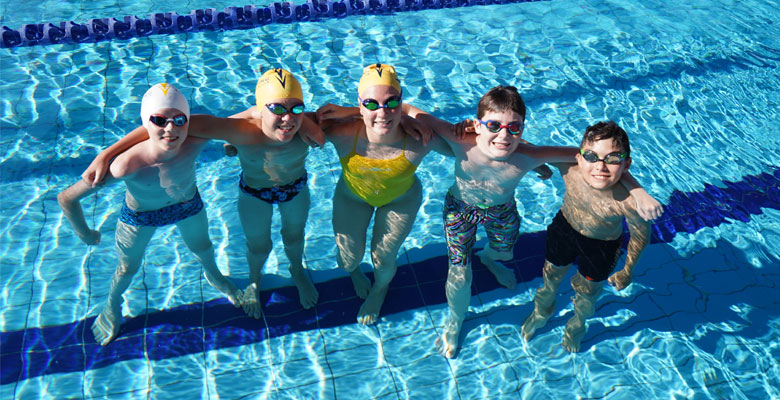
600, 175
381, 121
168, 137
498, 145
282, 127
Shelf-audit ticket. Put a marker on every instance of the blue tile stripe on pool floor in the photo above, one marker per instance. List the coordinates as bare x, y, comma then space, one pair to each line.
188, 329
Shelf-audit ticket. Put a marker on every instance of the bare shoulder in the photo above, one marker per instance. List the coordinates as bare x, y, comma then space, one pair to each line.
129, 162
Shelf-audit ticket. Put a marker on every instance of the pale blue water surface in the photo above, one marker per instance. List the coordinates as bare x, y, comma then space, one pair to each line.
695, 85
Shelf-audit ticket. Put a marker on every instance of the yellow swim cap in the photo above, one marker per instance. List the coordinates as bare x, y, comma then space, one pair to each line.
378, 74
277, 83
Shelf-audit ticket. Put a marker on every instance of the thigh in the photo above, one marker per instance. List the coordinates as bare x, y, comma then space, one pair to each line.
194, 231
561, 246
295, 212
131, 241
255, 216
459, 232
598, 258
502, 229
394, 221
350, 222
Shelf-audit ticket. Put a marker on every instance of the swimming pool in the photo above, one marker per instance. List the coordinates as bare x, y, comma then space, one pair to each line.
698, 98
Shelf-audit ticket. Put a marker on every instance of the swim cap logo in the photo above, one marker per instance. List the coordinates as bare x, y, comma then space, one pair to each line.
379, 69
281, 78
164, 87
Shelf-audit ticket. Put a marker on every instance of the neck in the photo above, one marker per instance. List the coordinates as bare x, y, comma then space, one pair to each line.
391, 137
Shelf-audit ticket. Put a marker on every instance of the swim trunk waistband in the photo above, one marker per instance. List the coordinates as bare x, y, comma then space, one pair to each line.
275, 194
164, 216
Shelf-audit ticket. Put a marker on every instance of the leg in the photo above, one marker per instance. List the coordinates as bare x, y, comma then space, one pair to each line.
131, 242
294, 214
255, 216
458, 290
459, 230
195, 233
350, 221
392, 225
502, 226
544, 301
584, 306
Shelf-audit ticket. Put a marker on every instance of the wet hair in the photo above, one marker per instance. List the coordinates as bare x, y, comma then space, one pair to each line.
607, 130
501, 98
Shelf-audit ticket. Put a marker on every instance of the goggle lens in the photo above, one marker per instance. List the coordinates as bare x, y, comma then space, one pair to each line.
514, 128
372, 105
611, 158
161, 121
279, 109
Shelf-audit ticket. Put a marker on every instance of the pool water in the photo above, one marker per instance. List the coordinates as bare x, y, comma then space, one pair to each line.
698, 97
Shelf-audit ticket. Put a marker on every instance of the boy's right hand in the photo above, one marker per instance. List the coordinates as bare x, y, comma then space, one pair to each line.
230, 150
96, 172
91, 237
463, 128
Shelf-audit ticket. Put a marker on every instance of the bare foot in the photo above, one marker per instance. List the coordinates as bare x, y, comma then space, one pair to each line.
572, 338
505, 276
226, 286
106, 325
447, 343
306, 291
531, 324
361, 283
369, 311
250, 302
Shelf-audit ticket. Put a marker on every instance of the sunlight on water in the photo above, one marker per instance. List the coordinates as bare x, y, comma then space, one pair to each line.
697, 96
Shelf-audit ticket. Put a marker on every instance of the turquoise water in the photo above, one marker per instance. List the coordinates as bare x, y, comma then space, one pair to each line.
698, 97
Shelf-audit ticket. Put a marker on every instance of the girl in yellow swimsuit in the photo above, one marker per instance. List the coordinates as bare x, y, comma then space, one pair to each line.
378, 179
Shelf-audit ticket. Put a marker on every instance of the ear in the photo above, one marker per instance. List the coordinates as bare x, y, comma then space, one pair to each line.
628, 163
476, 125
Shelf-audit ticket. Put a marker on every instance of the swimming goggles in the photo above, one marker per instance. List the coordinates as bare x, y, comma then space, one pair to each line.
514, 128
371, 104
161, 121
279, 109
611, 158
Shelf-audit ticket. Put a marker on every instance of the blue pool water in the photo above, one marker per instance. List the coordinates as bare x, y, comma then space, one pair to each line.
698, 96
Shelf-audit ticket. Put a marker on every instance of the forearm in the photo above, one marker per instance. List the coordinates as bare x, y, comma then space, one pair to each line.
135, 136
70, 203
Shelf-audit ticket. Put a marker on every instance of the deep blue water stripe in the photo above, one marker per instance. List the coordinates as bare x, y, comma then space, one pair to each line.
178, 331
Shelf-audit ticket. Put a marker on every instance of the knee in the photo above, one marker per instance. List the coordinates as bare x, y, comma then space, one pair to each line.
585, 287
459, 278
258, 245
292, 236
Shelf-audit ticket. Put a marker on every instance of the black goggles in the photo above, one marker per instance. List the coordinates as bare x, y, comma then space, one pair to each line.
161, 121
371, 104
611, 158
279, 109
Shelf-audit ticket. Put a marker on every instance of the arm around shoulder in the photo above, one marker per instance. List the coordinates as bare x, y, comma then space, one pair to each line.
647, 206
97, 170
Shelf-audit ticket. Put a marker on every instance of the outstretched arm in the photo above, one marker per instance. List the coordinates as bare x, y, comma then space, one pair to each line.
70, 202
98, 168
648, 207
639, 230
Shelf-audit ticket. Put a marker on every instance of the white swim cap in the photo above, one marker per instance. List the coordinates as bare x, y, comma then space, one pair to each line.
163, 95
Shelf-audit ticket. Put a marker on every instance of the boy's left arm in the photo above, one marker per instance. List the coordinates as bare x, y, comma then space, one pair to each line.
639, 229
648, 207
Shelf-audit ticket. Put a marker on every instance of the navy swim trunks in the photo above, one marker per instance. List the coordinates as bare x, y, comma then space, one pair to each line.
164, 216
275, 194
596, 258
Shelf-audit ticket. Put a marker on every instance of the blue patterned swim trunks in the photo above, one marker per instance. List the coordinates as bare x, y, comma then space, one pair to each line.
164, 216
275, 194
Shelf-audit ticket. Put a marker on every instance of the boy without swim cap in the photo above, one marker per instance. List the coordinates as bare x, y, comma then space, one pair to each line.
378, 74
277, 83
163, 95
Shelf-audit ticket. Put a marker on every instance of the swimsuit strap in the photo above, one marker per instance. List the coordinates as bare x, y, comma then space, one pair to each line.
403, 147
354, 144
